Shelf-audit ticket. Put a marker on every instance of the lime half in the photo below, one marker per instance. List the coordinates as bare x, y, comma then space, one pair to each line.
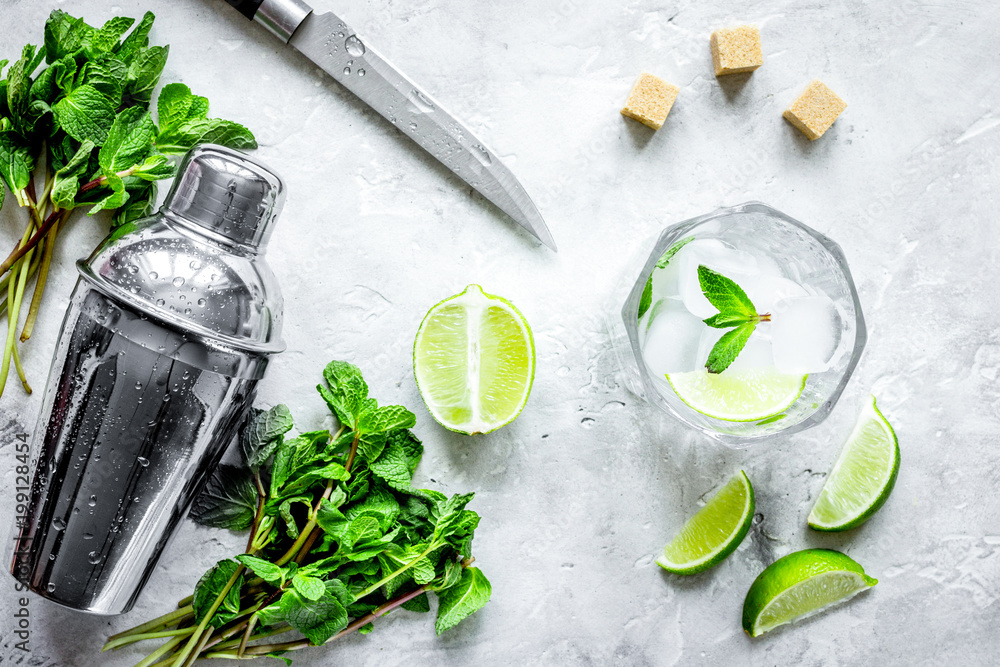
713, 532
743, 395
474, 361
799, 585
862, 477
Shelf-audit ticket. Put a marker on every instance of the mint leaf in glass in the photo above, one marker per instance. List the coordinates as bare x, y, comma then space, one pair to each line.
736, 311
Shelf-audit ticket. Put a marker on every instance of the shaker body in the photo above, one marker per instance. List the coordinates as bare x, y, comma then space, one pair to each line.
135, 417
169, 329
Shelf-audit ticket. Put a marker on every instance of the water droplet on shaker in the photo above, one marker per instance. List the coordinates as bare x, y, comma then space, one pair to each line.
133, 269
94, 558
420, 101
88, 536
92, 501
160, 302
354, 46
143, 461
138, 385
201, 302
178, 281
361, 72
347, 71
51, 587
153, 275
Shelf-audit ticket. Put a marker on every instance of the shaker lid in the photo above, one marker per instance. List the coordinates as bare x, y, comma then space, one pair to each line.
227, 193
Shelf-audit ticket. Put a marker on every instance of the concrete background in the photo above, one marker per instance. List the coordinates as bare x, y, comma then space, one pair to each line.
580, 493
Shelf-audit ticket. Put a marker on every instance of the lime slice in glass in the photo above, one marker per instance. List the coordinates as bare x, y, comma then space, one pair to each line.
862, 477
799, 585
741, 395
474, 361
714, 531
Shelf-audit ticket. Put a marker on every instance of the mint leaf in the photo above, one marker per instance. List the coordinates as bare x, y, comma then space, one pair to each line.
725, 294
128, 141
266, 570
173, 104
209, 588
727, 320
393, 467
16, 161
107, 75
229, 499
457, 603
106, 39
262, 434
311, 588
646, 299
728, 347
318, 620
345, 392
67, 179
179, 138
144, 73
65, 35
56, 79
137, 39
115, 198
139, 205
85, 114
419, 604
386, 418
155, 168
19, 86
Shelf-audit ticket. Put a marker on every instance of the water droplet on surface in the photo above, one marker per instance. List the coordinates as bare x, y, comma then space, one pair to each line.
201, 302
143, 461
195, 264
51, 588
413, 126
361, 72
94, 558
92, 501
160, 302
420, 101
134, 289
133, 269
138, 385
52, 556
347, 71
354, 46
153, 275
178, 281
88, 536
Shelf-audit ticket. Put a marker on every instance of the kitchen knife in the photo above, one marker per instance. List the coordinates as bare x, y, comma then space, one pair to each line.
334, 47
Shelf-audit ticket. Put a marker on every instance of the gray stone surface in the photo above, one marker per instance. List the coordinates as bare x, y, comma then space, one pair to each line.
580, 492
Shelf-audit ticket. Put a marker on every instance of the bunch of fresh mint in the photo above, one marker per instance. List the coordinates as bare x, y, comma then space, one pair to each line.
338, 536
79, 133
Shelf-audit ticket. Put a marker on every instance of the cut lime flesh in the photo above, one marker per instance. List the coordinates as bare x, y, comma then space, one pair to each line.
863, 476
714, 531
740, 395
800, 585
474, 361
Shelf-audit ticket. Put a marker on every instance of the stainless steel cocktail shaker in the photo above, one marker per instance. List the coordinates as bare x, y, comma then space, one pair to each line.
168, 332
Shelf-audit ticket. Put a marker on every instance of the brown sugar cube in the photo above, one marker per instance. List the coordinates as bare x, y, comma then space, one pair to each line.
815, 110
736, 50
650, 100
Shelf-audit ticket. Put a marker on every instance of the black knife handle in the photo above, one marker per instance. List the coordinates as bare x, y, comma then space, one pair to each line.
280, 17
246, 7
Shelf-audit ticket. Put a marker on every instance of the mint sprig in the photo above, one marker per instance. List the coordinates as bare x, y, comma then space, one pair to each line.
736, 311
338, 536
79, 132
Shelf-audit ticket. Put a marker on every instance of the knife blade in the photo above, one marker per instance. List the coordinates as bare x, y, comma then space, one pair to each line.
330, 43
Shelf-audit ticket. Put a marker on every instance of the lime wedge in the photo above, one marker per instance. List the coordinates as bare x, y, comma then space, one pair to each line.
742, 395
862, 477
714, 531
799, 585
474, 361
